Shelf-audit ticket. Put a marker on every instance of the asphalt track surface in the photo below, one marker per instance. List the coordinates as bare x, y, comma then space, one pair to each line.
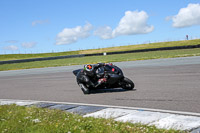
168, 84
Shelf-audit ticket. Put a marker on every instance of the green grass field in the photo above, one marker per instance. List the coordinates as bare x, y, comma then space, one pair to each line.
20, 119
28, 56
111, 49
107, 58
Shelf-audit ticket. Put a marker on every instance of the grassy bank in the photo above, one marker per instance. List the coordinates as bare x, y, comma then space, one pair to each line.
19, 119
108, 58
101, 50
29, 56
143, 46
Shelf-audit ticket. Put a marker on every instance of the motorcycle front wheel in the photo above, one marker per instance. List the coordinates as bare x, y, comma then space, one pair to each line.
127, 84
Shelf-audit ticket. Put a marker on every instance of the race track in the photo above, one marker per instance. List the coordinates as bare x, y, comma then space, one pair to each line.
168, 84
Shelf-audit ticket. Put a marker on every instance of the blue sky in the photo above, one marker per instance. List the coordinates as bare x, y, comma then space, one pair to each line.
40, 26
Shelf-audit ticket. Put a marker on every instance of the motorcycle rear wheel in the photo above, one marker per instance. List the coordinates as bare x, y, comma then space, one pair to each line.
127, 84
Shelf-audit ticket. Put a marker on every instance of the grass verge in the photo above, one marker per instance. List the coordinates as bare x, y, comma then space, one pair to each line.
108, 58
101, 50
29, 56
20, 119
143, 46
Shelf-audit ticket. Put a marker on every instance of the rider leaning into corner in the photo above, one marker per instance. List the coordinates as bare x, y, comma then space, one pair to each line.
101, 75
91, 76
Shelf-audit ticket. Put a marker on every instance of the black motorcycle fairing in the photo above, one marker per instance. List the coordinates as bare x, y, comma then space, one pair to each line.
112, 73
113, 78
113, 69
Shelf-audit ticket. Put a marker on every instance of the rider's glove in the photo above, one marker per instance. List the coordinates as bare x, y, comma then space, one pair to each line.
102, 80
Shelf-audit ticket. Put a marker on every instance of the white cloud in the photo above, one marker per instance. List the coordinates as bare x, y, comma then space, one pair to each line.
104, 32
188, 16
28, 44
72, 35
132, 23
11, 47
36, 22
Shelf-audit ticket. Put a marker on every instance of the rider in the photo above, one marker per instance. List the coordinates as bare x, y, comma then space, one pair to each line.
92, 75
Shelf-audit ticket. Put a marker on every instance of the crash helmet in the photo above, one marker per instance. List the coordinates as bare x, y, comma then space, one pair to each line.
89, 70
88, 67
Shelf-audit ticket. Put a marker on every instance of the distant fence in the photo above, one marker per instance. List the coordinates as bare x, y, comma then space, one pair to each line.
99, 54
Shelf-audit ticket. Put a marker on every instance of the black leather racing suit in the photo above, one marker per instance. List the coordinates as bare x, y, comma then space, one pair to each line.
90, 79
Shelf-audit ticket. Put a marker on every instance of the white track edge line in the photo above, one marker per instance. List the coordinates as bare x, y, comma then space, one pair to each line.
112, 106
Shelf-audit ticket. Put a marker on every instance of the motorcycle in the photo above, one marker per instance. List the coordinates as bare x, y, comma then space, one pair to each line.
113, 74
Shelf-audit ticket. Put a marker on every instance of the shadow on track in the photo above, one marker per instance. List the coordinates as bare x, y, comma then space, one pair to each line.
109, 90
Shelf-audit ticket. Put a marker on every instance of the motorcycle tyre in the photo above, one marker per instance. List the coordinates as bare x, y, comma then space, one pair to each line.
127, 84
